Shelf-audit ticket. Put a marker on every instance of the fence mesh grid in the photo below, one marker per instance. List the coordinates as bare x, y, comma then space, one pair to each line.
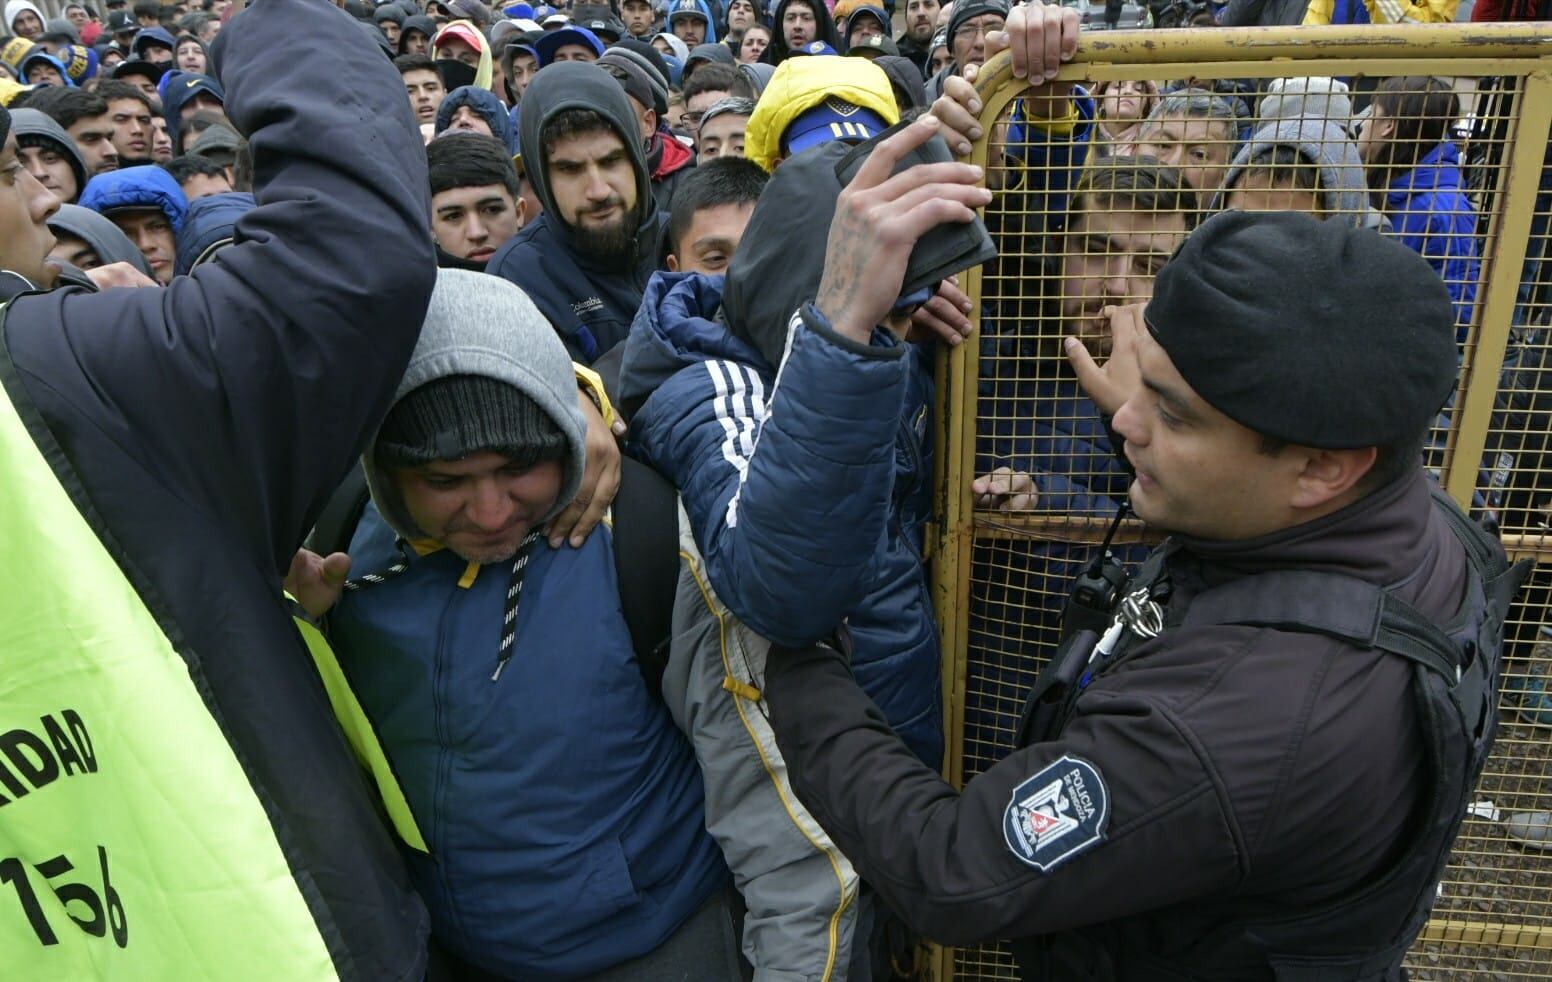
1429, 141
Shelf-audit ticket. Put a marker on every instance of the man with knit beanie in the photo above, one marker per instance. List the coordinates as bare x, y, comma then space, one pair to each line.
668, 160
489, 663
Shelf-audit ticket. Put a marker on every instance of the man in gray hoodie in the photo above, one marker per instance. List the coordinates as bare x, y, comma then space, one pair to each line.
1300, 164
86, 240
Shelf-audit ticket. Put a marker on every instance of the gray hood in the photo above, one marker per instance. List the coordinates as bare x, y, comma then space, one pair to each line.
483, 325
1327, 146
110, 244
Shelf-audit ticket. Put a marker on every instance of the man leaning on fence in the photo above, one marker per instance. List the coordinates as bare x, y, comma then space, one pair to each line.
1258, 770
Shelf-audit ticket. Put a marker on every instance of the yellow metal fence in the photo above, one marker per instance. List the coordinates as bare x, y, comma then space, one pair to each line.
1435, 134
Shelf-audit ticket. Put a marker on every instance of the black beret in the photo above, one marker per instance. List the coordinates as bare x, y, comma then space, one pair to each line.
1309, 332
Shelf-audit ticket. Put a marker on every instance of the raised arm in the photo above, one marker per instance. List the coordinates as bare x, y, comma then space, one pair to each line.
249, 386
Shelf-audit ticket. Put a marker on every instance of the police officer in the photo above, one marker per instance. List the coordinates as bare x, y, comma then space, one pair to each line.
1257, 769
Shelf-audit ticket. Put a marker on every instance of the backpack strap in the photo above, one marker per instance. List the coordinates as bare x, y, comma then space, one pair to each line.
337, 522
1331, 604
646, 560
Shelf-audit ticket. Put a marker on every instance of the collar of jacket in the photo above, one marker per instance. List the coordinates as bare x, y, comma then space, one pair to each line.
1378, 538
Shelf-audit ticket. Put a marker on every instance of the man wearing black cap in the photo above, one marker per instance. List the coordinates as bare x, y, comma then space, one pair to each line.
1259, 767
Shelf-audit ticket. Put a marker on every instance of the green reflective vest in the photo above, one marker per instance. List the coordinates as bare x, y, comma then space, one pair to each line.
132, 844
359, 732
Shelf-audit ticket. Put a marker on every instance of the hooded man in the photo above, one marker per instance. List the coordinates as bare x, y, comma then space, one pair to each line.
796, 24
40, 68
1300, 164
164, 452
815, 100
153, 44
573, 781
185, 94
690, 21
87, 240
23, 19
49, 154
586, 259
147, 204
865, 22
415, 38
389, 19
462, 42
476, 110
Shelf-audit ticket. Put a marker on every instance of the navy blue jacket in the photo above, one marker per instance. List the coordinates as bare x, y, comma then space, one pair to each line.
589, 302
1431, 214
562, 808
211, 224
808, 499
207, 428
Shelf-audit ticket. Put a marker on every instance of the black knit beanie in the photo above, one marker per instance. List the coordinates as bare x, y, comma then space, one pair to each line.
455, 416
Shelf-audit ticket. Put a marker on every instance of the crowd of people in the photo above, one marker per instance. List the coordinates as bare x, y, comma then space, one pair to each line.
591, 349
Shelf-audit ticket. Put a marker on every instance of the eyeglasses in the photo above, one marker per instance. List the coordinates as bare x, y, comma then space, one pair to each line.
693, 119
968, 31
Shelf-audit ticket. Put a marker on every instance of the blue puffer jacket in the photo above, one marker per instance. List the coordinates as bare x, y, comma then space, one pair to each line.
1432, 216
808, 499
562, 808
210, 225
147, 186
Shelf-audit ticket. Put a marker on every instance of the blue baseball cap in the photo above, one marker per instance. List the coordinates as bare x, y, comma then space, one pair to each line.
833, 119
519, 11
812, 48
552, 42
687, 8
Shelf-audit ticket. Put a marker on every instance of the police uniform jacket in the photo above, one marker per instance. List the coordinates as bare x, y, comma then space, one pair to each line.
1208, 777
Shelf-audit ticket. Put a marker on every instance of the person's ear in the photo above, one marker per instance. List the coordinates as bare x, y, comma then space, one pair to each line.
673, 263
522, 211
1329, 474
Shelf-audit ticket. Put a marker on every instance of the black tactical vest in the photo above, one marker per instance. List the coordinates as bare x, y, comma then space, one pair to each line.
1454, 681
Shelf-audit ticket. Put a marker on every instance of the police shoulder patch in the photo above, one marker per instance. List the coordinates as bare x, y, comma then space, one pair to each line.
1058, 813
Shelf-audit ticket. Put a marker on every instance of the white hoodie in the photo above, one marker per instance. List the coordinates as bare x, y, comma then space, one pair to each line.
14, 8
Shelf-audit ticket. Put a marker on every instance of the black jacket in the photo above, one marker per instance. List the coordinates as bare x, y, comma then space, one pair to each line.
591, 303
208, 422
1234, 769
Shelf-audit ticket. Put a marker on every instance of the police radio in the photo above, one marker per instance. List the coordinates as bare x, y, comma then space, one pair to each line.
1096, 592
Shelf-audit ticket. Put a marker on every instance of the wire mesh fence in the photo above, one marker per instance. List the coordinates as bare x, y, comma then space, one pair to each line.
1437, 136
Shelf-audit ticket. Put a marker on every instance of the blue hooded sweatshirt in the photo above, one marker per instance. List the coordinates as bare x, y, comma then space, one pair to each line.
48, 59
490, 109
688, 8
1433, 217
147, 186
177, 89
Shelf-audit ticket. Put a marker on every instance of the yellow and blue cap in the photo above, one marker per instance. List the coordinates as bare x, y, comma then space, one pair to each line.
833, 119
